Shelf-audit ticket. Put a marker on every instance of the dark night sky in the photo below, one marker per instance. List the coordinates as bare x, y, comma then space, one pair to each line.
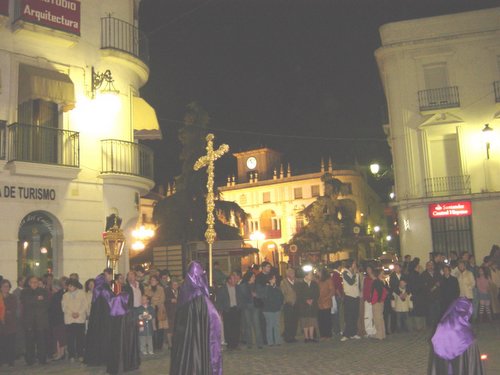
296, 68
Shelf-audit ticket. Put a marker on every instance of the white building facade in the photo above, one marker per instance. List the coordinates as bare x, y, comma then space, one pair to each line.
441, 77
70, 120
274, 197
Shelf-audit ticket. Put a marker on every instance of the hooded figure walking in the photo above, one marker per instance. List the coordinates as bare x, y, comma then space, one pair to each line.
454, 347
196, 342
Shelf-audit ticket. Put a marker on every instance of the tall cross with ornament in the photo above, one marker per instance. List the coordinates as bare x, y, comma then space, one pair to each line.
208, 161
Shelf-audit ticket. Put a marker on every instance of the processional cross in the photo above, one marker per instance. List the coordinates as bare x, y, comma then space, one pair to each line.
208, 161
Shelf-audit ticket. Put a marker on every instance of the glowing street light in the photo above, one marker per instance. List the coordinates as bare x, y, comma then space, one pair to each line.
487, 138
376, 229
375, 168
257, 236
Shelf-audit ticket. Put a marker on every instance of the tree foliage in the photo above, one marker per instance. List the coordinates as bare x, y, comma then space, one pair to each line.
329, 220
181, 216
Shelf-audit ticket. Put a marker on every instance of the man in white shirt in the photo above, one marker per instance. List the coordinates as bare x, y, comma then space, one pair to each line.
351, 300
466, 281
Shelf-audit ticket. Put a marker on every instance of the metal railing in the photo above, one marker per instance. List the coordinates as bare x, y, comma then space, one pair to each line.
122, 157
444, 97
449, 185
123, 36
496, 88
41, 144
3, 139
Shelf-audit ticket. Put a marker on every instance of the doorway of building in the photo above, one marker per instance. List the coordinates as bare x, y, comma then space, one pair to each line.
39, 242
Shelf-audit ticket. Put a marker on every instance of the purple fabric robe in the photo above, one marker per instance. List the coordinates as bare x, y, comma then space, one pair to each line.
117, 304
195, 284
454, 335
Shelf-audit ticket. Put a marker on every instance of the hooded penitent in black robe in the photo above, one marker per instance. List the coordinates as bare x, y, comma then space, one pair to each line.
124, 353
112, 339
454, 349
97, 343
197, 329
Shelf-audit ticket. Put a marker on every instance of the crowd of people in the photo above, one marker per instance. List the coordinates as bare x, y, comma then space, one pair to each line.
350, 300
47, 319
55, 319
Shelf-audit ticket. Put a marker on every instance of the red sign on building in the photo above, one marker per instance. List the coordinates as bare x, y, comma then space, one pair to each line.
62, 15
4, 7
450, 209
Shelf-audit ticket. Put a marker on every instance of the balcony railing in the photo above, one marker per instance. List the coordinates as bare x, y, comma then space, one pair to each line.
40, 144
3, 139
450, 185
444, 97
123, 36
496, 88
122, 157
272, 233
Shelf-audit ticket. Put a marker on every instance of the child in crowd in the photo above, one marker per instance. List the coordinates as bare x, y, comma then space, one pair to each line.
402, 305
145, 319
483, 289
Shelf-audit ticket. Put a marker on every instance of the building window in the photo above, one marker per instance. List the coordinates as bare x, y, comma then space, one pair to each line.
297, 193
452, 234
266, 197
275, 223
254, 225
315, 191
299, 222
436, 76
39, 112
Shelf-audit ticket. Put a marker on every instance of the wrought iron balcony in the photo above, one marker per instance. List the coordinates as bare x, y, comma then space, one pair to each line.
41, 144
272, 233
444, 97
129, 158
496, 88
450, 185
3, 139
123, 36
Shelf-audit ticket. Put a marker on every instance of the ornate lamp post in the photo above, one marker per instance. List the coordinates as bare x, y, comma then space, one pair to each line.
487, 135
114, 242
208, 161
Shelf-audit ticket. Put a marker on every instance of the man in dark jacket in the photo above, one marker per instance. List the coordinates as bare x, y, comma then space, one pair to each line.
431, 282
229, 301
450, 290
35, 307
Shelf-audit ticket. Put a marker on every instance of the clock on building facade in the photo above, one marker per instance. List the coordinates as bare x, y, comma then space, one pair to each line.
251, 162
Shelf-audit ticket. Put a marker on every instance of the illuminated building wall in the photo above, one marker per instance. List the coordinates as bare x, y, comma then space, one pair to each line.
69, 154
441, 77
275, 201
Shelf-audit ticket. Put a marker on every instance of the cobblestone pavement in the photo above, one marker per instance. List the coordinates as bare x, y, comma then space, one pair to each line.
401, 354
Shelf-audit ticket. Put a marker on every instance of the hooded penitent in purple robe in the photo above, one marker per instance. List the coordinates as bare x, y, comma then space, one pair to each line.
196, 343
454, 347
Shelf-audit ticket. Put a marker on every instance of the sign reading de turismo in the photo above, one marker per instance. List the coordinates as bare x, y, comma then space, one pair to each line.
450, 209
57, 14
34, 193
4, 7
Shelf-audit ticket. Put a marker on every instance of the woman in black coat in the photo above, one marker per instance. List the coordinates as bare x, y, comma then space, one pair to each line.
35, 307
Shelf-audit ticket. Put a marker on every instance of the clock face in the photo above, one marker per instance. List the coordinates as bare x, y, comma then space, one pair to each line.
251, 162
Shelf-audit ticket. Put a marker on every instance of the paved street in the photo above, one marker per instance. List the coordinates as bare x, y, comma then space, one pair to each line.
401, 354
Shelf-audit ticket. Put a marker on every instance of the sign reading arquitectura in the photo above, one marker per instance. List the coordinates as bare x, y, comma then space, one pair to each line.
62, 15
31, 193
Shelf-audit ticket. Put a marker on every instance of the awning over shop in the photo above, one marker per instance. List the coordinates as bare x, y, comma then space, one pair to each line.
50, 85
145, 121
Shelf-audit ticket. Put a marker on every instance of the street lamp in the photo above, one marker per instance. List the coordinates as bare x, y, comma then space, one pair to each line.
257, 236
376, 229
487, 138
375, 168
114, 241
